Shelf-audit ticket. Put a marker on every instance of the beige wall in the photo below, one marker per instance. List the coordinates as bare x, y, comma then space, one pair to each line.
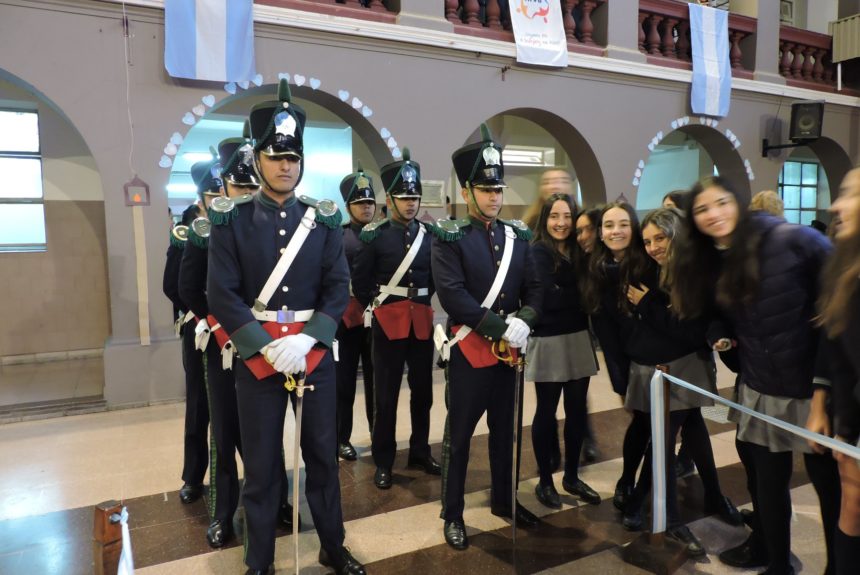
57, 300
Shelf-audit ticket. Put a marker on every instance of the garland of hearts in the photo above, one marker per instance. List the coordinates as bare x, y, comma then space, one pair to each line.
206, 102
680, 123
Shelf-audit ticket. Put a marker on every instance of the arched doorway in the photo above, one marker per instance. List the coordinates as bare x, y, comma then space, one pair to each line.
53, 256
809, 180
337, 138
535, 141
684, 156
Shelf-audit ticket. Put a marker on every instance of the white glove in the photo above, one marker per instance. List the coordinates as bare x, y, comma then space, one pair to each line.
517, 333
201, 334
287, 354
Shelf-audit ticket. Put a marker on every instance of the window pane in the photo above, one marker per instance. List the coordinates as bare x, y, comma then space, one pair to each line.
791, 173
809, 175
19, 131
22, 224
792, 216
809, 197
806, 217
20, 178
791, 196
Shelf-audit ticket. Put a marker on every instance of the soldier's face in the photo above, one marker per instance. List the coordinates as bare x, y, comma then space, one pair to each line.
362, 212
487, 200
406, 207
280, 173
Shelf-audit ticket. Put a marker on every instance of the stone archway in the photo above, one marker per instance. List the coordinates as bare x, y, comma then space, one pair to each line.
582, 158
370, 146
834, 161
718, 151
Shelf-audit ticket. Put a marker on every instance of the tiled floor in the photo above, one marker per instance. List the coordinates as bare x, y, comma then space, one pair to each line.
54, 471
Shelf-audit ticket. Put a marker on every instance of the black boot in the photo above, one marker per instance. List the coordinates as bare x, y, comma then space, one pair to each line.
342, 562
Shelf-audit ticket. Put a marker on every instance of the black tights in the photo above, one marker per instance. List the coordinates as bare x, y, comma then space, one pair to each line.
545, 427
698, 444
824, 475
768, 476
635, 443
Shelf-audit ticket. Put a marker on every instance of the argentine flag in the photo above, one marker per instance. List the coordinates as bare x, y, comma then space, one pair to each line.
209, 39
712, 72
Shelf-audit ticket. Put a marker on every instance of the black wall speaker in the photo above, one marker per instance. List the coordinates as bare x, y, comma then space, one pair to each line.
806, 120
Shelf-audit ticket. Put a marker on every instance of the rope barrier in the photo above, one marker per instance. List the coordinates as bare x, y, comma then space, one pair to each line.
658, 437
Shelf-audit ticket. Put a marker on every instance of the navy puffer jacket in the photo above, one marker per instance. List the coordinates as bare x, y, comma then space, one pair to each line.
777, 338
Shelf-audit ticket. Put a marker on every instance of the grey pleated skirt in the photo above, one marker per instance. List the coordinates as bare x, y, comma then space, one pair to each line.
696, 368
560, 358
788, 409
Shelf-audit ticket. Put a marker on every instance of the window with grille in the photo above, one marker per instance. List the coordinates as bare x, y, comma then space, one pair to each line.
798, 188
22, 203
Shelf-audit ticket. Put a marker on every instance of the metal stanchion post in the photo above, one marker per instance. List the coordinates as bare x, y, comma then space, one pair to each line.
653, 551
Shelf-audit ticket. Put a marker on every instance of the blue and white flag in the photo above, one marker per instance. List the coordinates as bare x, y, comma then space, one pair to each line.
712, 71
209, 39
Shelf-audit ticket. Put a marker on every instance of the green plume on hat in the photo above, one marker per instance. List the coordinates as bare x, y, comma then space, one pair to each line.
407, 155
284, 94
486, 136
246, 130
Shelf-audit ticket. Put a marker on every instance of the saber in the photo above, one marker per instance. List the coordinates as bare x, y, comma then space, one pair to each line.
505, 354
297, 383
515, 478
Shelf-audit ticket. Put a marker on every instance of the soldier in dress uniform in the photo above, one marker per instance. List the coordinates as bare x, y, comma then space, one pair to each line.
173, 261
497, 316
239, 183
392, 280
282, 320
353, 338
208, 182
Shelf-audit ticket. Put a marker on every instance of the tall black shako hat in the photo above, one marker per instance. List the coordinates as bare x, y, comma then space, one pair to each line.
277, 127
207, 176
237, 160
480, 164
402, 179
357, 187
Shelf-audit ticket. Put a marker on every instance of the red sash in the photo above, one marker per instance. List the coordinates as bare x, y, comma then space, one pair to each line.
354, 314
261, 368
221, 335
478, 350
395, 319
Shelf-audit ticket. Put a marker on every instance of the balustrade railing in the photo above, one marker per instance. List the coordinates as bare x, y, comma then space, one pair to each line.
805, 57
492, 18
664, 34
379, 10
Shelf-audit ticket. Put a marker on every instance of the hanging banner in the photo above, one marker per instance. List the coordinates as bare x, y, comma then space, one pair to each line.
711, 90
539, 32
209, 39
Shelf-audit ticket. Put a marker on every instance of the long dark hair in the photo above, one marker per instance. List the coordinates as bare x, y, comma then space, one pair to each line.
632, 268
541, 235
670, 221
841, 281
701, 274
